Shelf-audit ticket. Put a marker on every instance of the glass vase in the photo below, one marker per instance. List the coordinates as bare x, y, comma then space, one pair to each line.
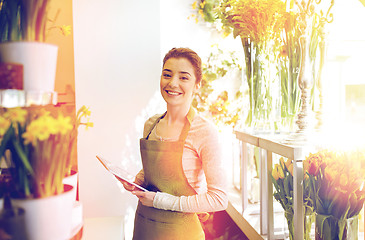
309, 219
290, 94
263, 88
327, 227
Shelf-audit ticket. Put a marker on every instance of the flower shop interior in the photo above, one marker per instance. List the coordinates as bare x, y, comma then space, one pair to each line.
283, 81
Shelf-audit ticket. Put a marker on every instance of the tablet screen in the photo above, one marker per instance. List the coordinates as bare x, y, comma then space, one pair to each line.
119, 172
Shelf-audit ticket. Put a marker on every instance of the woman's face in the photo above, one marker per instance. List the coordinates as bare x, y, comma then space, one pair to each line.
178, 82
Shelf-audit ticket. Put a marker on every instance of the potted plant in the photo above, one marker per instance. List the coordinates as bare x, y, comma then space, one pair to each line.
37, 146
23, 32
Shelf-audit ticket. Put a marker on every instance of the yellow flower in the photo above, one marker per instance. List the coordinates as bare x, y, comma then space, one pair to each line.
62, 125
16, 115
4, 125
288, 163
194, 5
280, 173
29, 137
83, 111
255, 19
201, 13
39, 129
277, 172
202, 4
66, 30
89, 124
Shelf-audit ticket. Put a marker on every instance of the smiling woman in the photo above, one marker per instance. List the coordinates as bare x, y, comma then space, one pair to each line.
181, 157
178, 81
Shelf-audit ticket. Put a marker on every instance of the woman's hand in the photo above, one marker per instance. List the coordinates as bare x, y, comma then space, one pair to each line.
146, 198
129, 187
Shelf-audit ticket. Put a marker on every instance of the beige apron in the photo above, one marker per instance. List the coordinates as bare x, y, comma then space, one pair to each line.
163, 171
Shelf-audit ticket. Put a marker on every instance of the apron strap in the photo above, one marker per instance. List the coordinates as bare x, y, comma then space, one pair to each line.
154, 124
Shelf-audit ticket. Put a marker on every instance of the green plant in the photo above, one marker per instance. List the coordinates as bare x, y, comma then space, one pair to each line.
37, 147
282, 179
23, 20
223, 109
205, 9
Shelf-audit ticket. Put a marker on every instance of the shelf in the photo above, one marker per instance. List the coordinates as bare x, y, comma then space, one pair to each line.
265, 215
11, 98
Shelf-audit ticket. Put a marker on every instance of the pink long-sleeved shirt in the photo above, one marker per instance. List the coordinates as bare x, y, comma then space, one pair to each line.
202, 165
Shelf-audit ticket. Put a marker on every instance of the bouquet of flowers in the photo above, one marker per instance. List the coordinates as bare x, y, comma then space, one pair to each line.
337, 190
37, 146
259, 25
282, 178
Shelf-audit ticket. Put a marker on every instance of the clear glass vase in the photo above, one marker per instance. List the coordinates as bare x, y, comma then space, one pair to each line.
263, 88
309, 219
327, 227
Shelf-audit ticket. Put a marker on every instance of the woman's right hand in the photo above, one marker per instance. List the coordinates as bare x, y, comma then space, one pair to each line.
129, 187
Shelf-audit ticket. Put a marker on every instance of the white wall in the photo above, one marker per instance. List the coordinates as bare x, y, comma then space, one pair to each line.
119, 46
117, 69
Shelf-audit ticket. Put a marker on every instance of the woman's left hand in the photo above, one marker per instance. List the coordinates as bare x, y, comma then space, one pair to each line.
146, 198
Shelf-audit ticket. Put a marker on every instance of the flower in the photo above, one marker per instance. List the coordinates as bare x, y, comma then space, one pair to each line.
258, 20
194, 5
282, 179
16, 115
44, 126
278, 172
66, 30
63, 124
205, 10
336, 185
40, 144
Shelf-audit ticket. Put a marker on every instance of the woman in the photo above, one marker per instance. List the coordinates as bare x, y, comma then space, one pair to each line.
181, 159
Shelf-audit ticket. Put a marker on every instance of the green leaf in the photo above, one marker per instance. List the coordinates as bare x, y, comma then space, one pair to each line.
287, 186
23, 157
6, 138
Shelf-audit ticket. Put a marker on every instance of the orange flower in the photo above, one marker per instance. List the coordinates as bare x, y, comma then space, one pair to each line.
283, 52
313, 168
344, 180
330, 174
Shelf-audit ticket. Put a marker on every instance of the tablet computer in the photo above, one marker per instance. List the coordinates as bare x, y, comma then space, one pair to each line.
119, 172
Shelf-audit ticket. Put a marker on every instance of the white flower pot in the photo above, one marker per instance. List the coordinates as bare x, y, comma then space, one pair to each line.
39, 63
48, 218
